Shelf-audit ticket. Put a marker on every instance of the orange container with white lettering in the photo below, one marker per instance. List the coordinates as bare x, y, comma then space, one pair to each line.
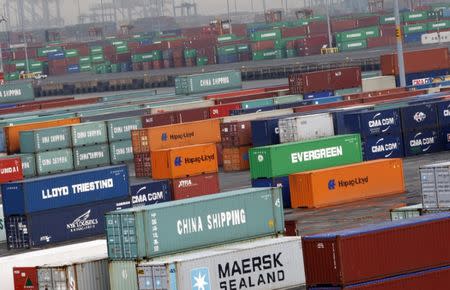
184, 161
348, 183
176, 135
12, 132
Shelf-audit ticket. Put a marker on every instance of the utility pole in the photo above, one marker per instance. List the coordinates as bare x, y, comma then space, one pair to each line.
330, 38
264, 5
229, 18
398, 34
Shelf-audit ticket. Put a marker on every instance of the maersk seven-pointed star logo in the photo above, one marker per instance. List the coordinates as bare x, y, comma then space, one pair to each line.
200, 279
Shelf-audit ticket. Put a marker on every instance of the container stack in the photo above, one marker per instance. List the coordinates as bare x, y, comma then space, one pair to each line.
236, 141
119, 137
435, 180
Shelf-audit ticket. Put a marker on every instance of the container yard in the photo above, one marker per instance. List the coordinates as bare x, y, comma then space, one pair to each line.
301, 147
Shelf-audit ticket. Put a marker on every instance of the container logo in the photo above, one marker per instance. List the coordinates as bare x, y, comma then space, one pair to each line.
325, 153
82, 223
379, 147
419, 117
178, 161
375, 122
418, 141
331, 184
143, 196
164, 137
200, 279
260, 158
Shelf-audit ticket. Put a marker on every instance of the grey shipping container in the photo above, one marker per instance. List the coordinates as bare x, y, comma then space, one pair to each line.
183, 225
120, 129
306, 127
45, 139
272, 264
89, 134
51, 162
435, 181
91, 156
121, 151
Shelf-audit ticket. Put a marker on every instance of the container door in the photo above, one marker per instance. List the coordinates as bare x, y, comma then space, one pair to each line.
59, 277
45, 279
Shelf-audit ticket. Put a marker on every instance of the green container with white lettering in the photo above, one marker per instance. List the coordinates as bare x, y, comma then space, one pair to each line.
194, 223
16, 92
28, 164
120, 129
51, 162
89, 134
208, 82
91, 156
284, 159
45, 139
121, 152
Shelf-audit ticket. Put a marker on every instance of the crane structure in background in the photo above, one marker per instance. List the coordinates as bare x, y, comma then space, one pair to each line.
185, 8
27, 14
376, 6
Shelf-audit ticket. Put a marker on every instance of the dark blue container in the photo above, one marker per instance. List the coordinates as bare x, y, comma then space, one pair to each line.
265, 131
56, 55
295, 104
443, 111
252, 110
227, 58
369, 123
327, 100
69, 189
422, 142
318, 95
60, 225
422, 75
385, 146
418, 117
413, 37
125, 66
150, 192
73, 68
445, 137
282, 182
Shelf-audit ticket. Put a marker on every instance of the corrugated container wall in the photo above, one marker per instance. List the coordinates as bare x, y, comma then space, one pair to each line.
306, 127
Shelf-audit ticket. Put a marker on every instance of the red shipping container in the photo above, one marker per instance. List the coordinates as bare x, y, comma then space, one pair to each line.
219, 111
342, 104
290, 228
236, 159
157, 64
345, 78
317, 28
191, 115
160, 119
377, 251
340, 25
263, 45
368, 21
294, 31
245, 56
235, 134
416, 61
143, 165
148, 65
25, 278
219, 148
194, 186
381, 41
10, 169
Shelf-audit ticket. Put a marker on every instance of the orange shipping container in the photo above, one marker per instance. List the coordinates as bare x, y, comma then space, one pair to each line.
236, 159
12, 132
184, 161
176, 135
342, 184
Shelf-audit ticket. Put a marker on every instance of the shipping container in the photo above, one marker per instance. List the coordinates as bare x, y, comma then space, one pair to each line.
16, 92
416, 61
422, 142
61, 224
120, 129
184, 161
91, 156
2, 226
434, 180
10, 169
121, 151
406, 212
285, 159
51, 162
235, 134
12, 136
28, 164
419, 116
207, 82
177, 135
45, 139
145, 191
89, 134
348, 183
194, 223
377, 243
280, 182
384, 146
195, 186
236, 159
378, 83
266, 131
68, 189
308, 127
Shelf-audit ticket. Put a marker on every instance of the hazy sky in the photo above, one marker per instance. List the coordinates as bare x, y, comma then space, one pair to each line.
204, 6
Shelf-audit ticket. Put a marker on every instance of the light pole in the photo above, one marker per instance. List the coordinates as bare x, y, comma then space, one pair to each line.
330, 38
398, 32
229, 18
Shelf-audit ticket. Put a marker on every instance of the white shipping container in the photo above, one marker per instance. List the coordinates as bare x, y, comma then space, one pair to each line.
262, 264
430, 38
378, 83
306, 127
444, 36
258, 115
94, 250
406, 212
435, 181
2, 226
181, 106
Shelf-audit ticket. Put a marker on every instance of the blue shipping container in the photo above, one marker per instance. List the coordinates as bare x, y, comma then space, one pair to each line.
443, 111
265, 132
282, 182
419, 116
318, 95
73, 68
385, 146
445, 137
295, 104
69, 189
413, 37
369, 123
422, 142
56, 55
227, 58
60, 225
422, 75
327, 100
150, 192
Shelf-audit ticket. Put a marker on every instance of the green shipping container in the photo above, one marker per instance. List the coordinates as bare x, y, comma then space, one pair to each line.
12, 76
373, 31
17, 92
284, 159
190, 53
387, 19
287, 99
85, 67
96, 50
91, 156
268, 54
415, 16
120, 129
45, 139
407, 29
434, 26
226, 37
85, 60
345, 92
208, 82
121, 151
89, 134
350, 35
43, 52
243, 48
257, 103
274, 34
225, 50
122, 49
28, 164
71, 53
291, 53
202, 60
184, 225
352, 45
51, 162
97, 58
